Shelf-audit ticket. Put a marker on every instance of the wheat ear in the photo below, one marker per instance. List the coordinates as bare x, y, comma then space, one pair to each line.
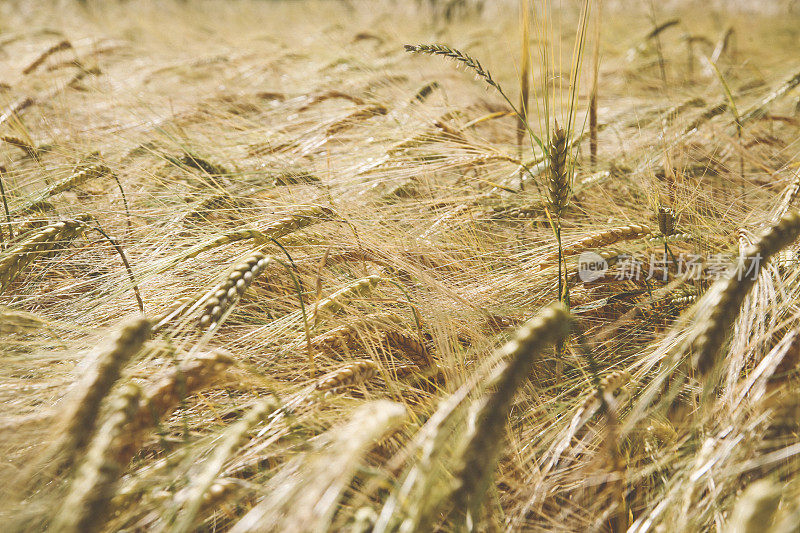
334, 302
410, 346
479, 455
603, 238
203, 482
16, 259
227, 293
22, 145
161, 398
63, 45
726, 295
82, 175
457, 55
277, 229
558, 186
347, 376
86, 505
83, 403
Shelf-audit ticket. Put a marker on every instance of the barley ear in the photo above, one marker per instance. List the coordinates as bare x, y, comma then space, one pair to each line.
85, 400
86, 505
558, 185
726, 295
479, 456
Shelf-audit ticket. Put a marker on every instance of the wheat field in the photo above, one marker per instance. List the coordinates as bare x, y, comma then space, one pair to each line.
399, 266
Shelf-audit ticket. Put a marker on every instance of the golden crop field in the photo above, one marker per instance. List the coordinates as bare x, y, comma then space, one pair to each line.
399, 266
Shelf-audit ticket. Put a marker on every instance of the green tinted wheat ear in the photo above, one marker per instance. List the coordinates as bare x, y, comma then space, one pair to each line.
478, 457
725, 297
86, 505
229, 291
457, 55
558, 185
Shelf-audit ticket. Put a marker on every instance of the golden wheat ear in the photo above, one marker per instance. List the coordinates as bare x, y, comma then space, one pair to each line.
725, 297
478, 457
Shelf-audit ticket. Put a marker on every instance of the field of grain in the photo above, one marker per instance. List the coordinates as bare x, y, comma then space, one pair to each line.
399, 266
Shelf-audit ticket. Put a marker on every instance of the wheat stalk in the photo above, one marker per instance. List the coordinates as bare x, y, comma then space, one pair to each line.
162, 397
